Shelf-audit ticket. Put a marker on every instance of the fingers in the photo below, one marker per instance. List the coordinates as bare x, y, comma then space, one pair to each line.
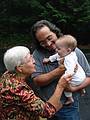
67, 77
64, 80
76, 68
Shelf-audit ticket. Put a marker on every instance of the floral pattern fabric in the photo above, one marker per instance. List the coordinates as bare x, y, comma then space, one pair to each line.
18, 101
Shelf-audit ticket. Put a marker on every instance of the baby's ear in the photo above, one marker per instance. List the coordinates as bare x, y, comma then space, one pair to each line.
69, 50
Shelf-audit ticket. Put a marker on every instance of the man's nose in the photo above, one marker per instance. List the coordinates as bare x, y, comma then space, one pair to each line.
49, 43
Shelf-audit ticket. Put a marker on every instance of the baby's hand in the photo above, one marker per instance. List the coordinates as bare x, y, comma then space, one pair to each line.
46, 60
61, 61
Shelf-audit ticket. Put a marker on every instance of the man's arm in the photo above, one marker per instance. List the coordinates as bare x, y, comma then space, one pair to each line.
45, 79
83, 85
45, 73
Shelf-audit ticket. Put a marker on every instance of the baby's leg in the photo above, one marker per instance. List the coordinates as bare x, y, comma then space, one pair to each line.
82, 92
69, 98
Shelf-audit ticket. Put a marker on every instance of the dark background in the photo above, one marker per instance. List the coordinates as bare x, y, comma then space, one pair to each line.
71, 16
18, 16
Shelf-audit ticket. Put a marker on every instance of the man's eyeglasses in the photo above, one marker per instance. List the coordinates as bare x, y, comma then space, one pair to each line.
46, 41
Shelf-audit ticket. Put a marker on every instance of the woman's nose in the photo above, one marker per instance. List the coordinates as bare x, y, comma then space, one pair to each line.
33, 60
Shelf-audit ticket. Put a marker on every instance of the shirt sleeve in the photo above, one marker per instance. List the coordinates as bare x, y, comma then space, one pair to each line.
69, 65
34, 103
54, 57
83, 61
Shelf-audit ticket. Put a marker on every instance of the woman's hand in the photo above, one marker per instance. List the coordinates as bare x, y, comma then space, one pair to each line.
64, 80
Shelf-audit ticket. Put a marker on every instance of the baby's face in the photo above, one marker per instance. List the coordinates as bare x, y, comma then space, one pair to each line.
61, 48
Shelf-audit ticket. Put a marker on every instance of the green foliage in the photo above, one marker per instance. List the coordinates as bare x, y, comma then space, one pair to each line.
10, 40
17, 16
68, 12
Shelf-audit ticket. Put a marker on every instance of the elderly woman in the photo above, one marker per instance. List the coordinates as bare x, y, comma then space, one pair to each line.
17, 99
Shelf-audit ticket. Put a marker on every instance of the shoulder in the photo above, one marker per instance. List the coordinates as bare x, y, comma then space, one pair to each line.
78, 51
36, 53
83, 61
5, 79
80, 54
39, 52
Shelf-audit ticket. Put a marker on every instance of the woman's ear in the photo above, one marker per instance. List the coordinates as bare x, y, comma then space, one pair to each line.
19, 69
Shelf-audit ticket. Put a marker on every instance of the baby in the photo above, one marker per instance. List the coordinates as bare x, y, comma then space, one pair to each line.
65, 48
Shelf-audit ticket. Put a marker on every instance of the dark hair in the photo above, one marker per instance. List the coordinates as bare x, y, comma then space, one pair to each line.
38, 25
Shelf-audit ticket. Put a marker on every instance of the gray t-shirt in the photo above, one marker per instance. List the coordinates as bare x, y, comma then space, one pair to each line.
83, 61
46, 91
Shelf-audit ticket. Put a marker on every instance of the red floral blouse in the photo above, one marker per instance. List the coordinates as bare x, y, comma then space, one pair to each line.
18, 101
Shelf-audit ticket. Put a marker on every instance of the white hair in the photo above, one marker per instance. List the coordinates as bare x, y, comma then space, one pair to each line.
14, 56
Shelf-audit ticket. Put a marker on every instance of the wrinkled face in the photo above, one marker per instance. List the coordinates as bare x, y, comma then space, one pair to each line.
46, 38
29, 65
62, 48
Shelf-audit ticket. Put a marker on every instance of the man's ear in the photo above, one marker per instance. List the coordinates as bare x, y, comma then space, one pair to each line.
19, 69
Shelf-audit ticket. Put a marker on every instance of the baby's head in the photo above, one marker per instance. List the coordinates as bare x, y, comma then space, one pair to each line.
65, 45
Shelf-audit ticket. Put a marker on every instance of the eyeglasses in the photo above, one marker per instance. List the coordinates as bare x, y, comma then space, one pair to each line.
46, 41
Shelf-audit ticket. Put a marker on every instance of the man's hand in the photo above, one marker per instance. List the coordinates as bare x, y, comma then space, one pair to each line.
70, 88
